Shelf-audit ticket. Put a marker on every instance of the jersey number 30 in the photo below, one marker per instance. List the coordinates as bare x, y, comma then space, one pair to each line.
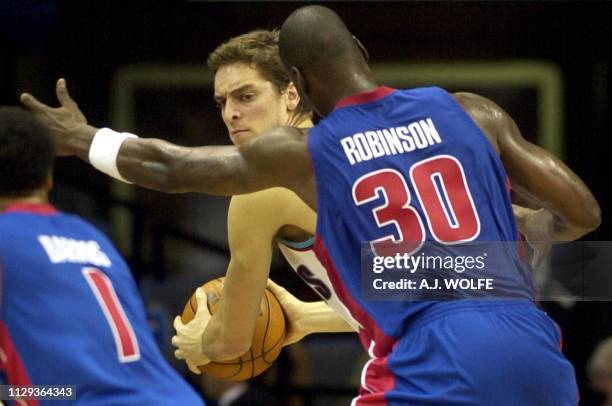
123, 333
443, 194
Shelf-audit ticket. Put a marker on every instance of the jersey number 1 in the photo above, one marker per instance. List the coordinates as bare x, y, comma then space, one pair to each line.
443, 194
125, 339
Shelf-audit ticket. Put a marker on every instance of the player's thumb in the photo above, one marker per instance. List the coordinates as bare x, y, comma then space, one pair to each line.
193, 368
61, 91
30, 102
519, 213
276, 289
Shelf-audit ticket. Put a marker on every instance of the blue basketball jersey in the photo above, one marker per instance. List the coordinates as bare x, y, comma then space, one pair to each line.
71, 314
410, 165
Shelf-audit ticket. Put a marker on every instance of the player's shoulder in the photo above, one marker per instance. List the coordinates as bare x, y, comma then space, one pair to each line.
493, 120
475, 102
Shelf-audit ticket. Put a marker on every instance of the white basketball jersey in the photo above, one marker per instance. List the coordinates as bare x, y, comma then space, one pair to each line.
305, 263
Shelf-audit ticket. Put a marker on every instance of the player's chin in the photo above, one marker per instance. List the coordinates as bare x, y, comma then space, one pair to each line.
241, 138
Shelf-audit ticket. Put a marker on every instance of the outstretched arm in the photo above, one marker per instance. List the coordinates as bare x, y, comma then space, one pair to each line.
278, 158
535, 174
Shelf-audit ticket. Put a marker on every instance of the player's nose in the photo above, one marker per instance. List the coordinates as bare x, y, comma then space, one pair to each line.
232, 112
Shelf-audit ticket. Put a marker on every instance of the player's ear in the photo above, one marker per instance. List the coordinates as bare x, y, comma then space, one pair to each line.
49, 183
299, 80
292, 97
363, 49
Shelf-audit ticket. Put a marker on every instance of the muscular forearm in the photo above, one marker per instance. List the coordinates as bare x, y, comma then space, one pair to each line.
218, 346
278, 158
159, 165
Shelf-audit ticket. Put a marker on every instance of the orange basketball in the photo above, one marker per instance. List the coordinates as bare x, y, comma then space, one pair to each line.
267, 340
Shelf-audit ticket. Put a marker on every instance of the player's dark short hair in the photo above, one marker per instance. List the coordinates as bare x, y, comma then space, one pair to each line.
26, 152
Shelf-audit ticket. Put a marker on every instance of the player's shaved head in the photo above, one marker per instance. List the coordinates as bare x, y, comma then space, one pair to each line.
325, 61
313, 37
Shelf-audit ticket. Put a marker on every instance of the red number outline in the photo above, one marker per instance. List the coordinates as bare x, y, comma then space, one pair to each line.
381, 190
123, 333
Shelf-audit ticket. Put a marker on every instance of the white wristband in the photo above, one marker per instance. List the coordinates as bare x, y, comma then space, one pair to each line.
104, 150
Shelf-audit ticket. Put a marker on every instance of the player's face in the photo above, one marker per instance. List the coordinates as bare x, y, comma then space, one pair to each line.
249, 103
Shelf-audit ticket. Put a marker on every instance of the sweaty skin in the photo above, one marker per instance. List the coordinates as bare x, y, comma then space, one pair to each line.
280, 157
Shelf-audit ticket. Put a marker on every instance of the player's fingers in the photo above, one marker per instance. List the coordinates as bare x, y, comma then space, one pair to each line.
179, 342
193, 368
31, 103
201, 299
175, 341
178, 354
519, 212
275, 288
61, 90
177, 323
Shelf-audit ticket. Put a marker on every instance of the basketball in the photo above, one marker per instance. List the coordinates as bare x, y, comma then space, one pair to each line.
267, 340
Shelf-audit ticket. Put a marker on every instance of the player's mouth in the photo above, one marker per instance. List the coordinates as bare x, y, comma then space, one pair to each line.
237, 134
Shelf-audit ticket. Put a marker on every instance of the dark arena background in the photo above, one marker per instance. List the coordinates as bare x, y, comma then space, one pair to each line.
140, 67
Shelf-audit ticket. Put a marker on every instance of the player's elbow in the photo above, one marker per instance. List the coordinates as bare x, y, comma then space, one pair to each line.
588, 221
591, 213
592, 218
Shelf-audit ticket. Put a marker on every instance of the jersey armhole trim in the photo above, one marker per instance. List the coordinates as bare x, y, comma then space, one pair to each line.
298, 245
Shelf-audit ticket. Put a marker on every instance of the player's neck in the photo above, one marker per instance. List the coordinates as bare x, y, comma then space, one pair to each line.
354, 82
36, 197
359, 83
301, 121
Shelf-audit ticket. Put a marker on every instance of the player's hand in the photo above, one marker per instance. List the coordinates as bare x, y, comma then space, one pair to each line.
61, 120
536, 226
293, 310
188, 338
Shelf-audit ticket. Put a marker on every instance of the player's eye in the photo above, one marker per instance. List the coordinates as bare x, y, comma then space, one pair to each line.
220, 104
247, 97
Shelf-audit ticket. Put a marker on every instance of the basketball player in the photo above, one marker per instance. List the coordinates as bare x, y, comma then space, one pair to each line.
254, 93
70, 312
373, 168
